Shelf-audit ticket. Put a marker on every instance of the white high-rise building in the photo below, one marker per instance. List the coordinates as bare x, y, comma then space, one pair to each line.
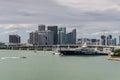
41, 37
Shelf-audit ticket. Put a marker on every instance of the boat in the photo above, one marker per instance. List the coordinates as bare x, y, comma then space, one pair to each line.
56, 52
84, 50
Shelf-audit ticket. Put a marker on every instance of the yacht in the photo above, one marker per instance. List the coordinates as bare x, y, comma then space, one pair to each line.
84, 50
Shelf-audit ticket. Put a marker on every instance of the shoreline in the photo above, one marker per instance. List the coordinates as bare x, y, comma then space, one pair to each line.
115, 58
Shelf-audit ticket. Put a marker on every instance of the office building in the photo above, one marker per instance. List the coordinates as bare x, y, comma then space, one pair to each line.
54, 29
114, 42
95, 41
109, 40
41, 28
36, 38
71, 37
41, 37
31, 35
14, 39
49, 37
103, 40
74, 36
62, 35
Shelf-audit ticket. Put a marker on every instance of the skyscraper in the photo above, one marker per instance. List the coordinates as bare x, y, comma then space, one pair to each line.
103, 40
54, 29
114, 41
71, 37
74, 36
62, 35
31, 35
49, 37
41, 28
35, 38
109, 40
41, 37
15, 39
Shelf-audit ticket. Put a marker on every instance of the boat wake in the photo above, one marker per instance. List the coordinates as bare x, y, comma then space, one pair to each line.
12, 57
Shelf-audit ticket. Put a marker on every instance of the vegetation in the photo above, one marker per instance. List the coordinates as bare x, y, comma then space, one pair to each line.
116, 52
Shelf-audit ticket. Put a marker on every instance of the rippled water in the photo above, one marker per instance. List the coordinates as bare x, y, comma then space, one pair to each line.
42, 65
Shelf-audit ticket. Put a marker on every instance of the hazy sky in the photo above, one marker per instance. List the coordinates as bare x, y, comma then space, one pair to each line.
91, 18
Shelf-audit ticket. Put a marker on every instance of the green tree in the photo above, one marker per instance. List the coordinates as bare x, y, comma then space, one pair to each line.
117, 52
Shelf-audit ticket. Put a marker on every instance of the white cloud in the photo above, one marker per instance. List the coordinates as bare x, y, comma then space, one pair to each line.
8, 32
115, 32
90, 5
17, 26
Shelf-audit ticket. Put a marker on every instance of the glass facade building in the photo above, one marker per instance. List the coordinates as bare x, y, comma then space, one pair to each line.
62, 35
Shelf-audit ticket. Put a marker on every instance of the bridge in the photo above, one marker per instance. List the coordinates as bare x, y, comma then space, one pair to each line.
51, 47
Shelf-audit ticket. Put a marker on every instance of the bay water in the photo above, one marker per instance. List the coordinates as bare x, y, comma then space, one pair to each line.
43, 65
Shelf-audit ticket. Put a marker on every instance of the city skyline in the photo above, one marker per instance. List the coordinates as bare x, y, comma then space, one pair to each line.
42, 31
24, 32
51, 35
90, 18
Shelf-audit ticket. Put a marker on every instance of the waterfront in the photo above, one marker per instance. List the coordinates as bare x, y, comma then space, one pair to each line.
42, 65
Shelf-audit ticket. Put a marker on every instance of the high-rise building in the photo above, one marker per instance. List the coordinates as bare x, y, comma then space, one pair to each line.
49, 37
74, 36
41, 28
15, 39
35, 38
109, 40
31, 35
103, 40
54, 29
71, 37
62, 35
41, 37
114, 41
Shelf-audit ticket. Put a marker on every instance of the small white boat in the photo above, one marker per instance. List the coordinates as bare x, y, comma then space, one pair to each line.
56, 53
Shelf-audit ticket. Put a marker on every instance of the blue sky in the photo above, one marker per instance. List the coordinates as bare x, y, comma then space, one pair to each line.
91, 18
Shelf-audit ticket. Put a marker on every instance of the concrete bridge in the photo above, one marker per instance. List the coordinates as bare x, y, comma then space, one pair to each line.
52, 47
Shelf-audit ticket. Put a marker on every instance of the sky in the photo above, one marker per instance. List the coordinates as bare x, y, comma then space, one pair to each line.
91, 18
